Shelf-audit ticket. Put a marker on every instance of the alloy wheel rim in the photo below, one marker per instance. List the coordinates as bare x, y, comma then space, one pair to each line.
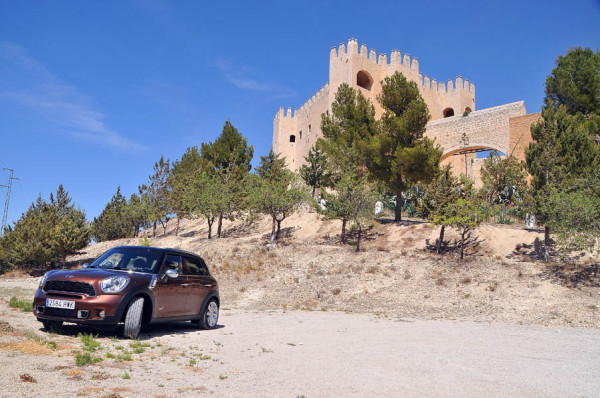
212, 314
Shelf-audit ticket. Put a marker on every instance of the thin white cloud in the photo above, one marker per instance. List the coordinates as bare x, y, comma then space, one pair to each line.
237, 75
38, 89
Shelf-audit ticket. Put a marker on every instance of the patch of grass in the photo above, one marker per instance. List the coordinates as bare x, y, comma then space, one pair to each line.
126, 376
192, 362
223, 377
138, 347
110, 355
266, 350
89, 342
125, 356
20, 304
86, 359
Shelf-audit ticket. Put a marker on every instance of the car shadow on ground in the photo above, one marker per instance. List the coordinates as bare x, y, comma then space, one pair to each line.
148, 332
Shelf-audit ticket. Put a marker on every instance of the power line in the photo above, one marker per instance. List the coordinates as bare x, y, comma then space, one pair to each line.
9, 186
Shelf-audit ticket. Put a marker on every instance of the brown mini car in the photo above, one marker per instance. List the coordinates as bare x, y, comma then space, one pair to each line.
134, 285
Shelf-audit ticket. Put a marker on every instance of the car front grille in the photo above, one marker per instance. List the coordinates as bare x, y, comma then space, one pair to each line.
60, 312
70, 287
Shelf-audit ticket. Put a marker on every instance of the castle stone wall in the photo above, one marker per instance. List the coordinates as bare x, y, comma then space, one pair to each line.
520, 133
501, 128
483, 129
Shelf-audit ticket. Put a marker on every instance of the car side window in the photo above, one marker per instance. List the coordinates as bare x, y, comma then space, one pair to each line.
193, 266
174, 262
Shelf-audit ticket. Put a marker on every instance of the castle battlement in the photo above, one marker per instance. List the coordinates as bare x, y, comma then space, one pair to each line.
397, 62
364, 69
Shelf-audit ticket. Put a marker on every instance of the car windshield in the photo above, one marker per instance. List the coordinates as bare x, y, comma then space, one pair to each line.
137, 259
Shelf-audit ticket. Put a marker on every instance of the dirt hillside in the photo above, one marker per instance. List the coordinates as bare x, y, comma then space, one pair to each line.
394, 274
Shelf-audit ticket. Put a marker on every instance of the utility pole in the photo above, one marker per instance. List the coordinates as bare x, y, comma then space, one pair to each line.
9, 186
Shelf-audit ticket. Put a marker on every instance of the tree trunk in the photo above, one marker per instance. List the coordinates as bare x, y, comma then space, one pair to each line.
278, 229
546, 243
177, 228
398, 211
358, 240
440, 241
462, 244
164, 225
219, 225
273, 229
154, 230
313, 191
210, 221
343, 237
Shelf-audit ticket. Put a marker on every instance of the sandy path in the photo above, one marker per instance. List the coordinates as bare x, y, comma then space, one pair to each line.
332, 354
324, 354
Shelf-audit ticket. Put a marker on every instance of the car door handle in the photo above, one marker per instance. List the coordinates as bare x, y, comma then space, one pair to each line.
208, 284
184, 284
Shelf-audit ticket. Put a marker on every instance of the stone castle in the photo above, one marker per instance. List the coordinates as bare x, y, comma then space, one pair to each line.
505, 128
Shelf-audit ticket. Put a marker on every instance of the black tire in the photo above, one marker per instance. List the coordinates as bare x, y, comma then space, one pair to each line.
52, 326
133, 318
210, 316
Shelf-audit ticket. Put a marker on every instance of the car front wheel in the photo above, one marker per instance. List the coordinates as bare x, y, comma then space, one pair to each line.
210, 316
133, 318
52, 326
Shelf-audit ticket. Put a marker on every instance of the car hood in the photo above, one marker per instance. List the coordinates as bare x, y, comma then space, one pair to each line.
94, 274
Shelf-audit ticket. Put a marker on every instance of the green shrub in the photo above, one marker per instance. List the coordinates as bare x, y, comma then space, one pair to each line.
23, 305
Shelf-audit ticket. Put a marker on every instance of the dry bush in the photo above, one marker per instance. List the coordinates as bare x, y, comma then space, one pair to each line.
407, 274
373, 269
493, 286
465, 280
27, 347
26, 377
336, 291
441, 281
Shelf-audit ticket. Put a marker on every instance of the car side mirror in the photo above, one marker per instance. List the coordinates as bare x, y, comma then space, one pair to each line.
85, 265
171, 273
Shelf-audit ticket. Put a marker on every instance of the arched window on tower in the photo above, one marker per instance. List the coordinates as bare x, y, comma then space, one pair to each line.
364, 80
448, 112
292, 138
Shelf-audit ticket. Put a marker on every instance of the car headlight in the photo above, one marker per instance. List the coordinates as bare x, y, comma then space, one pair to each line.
114, 284
44, 279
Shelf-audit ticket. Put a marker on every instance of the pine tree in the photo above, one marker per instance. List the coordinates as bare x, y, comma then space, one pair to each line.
564, 156
112, 222
47, 233
399, 155
351, 200
228, 160
180, 179
275, 191
439, 195
314, 172
156, 194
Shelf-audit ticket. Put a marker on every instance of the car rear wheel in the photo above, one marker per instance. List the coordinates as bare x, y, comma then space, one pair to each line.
133, 318
210, 316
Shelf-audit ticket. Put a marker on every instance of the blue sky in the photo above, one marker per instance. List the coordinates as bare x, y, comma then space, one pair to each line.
92, 93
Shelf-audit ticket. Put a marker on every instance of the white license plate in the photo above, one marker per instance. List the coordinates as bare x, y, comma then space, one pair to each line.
70, 305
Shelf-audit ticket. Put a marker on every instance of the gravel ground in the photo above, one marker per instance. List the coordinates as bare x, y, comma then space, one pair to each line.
318, 354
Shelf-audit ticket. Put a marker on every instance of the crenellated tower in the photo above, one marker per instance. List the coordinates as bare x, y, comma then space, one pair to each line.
294, 133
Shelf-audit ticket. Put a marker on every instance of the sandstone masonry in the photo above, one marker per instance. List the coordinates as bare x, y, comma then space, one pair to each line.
504, 128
